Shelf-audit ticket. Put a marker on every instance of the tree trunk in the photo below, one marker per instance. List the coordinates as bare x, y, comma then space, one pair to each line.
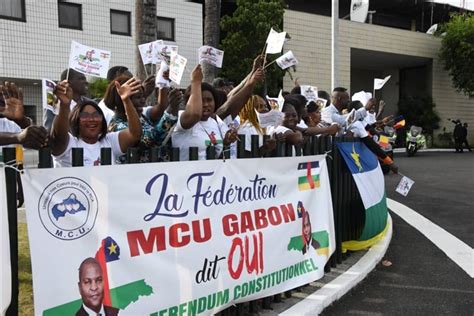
145, 31
212, 15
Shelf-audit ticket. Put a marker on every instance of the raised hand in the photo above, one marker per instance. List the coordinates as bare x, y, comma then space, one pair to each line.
13, 99
196, 75
33, 137
258, 62
64, 92
148, 85
129, 88
175, 98
231, 136
333, 129
257, 76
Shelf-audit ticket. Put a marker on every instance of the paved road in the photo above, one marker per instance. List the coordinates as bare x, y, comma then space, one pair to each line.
422, 280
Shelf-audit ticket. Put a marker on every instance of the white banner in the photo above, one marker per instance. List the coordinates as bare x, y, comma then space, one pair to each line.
379, 83
177, 66
287, 60
176, 238
275, 42
211, 56
5, 272
88, 60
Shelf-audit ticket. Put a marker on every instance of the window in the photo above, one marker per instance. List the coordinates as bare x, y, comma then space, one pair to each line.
12, 10
165, 28
70, 15
120, 22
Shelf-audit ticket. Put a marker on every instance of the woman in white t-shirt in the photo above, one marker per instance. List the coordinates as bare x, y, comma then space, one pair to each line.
249, 125
288, 132
85, 127
197, 125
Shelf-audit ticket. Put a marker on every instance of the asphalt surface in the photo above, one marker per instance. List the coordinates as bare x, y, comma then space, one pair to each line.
421, 279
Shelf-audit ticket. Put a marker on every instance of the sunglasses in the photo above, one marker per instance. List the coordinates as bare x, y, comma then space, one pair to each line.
84, 116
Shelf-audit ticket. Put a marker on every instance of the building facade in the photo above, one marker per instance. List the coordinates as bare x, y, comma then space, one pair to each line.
35, 37
369, 51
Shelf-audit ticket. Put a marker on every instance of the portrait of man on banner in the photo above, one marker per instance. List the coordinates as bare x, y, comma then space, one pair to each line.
307, 234
91, 287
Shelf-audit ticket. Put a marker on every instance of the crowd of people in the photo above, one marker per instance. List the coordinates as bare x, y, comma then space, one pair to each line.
141, 115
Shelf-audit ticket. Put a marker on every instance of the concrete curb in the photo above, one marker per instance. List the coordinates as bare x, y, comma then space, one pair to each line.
428, 150
316, 302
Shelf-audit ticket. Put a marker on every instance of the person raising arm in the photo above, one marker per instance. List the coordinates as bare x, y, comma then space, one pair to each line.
88, 127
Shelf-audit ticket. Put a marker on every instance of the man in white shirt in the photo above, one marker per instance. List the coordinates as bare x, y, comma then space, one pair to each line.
333, 114
79, 85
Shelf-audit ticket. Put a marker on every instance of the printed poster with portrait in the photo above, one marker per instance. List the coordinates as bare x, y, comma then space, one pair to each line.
89, 60
176, 238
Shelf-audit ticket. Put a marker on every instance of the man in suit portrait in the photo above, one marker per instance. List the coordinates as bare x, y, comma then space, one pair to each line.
91, 288
307, 235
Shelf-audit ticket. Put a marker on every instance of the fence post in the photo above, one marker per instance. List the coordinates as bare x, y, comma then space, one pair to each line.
174, 154
241, 146
193, 153
10, 182
226, 151
255, 146
132, 155
298, 150
211, 153
44, 158
154, 154
77, 157
266, 138
105, 156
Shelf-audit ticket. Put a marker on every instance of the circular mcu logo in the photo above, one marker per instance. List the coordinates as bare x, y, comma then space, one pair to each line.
68, 208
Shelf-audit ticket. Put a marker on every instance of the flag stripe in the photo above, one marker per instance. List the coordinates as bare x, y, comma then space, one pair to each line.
376, 219
304, 180
304, 165
371, 186
368, 161
305, 186
100, 257
308, 176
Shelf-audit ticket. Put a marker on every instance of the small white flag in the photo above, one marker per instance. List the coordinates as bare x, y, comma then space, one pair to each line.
272, 118
146, 52
404, 186
276, 103
309, 92
379, 83
164, 52
160, 81
177, 66
49, 99
362, 96
88, 60
287, 60
275, 42
211, 55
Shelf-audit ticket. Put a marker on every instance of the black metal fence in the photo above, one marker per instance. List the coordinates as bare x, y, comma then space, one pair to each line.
349, 215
